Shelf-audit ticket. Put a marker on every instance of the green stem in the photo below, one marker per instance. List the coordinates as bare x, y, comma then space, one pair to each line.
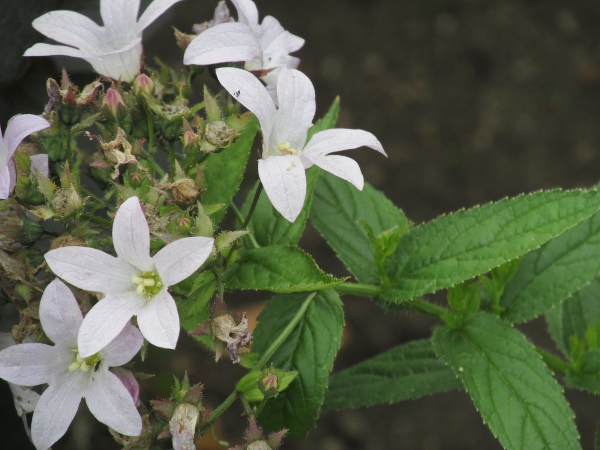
240, 219
253, 205
367, 290
97, 220
426, 307
221, 409
556, 364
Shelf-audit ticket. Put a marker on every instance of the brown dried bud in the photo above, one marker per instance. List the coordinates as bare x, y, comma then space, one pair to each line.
220, 134
183, 426
66, 202
183, 39
67, 240
184, 190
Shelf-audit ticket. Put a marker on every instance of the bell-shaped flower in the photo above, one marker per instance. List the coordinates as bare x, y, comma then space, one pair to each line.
285, 153
114, 50
264, 48
18, 128
133, 282
71, 377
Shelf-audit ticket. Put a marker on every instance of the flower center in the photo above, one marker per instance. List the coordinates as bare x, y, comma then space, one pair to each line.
284, 149
84, 364
148, 284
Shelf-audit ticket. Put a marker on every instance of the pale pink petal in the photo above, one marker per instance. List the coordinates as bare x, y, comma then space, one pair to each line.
111, 403
30, 364
12, 175
251, 93
277, 40
124, 347
5, 182
106, 320
131, 235
284, 180
152, 12
119, 18
21, 126
130, 383
121, 64
343, 167
71, 28
41, 49
181, 258
40, 163
25, 398
159, 321
56, 408
227, 42
270, 29
296, 95
337, 139
60, 314
91, 269
247, 12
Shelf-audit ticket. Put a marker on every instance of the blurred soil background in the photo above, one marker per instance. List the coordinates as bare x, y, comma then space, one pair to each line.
473, 101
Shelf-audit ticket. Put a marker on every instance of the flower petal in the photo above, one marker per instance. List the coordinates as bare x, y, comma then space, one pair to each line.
338, 139
29, 364
130, 383
284, 180
5, 182
296, 95
106, 320
227, 42
21, 126
60, 314
343, 167
276, 40
250, 92
12, 175
181, 258
25, 398
56, 408
152, 12
159, 321
247, 12
91, 269
111, 403
40, 163
131, 235
122, 64
119, 18
124, 347
71, 28
42, 49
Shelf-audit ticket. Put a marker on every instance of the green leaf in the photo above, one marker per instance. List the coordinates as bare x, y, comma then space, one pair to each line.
574, 316
223, 171
457, 247
271, 228
509, 384
248, 384
337, 210
554, 272
310, 350
327, 121
277, 268
406, 372
588, 378
193, 310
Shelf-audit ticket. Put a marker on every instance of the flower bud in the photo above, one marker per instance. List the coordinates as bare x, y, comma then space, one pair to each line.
66, 202
67, 240
112, 101
184, 190
220, 134
184, 224
143, 84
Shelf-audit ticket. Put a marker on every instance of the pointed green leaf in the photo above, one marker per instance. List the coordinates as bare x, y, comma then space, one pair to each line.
193, 310
406, 372
460, 246
509, 384
554, 272
271, 228
277, 268
588, 378
223, 171
310, 350
337, 210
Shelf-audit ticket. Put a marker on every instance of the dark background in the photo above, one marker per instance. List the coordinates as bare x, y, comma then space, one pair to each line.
473, 101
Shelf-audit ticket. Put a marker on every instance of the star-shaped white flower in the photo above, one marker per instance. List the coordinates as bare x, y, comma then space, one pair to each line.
18, 128
286, 154
114, 50
265, 48
134, 283
69, 376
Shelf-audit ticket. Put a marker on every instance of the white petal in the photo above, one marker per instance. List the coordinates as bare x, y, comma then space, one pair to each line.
71, 28
41, 49
181, 258
60, 314
337, 139
56, 408
106, 320
110, 402
250, 92
159, 321
119, 18
40, 162
284, 180
21, 126
91, 269
5, 182
296, 95
247, 12
227, 42
121, 64
124, 347
25, 398
29, 364
153, 11
343, 167
276, 40
131, 235
12, 175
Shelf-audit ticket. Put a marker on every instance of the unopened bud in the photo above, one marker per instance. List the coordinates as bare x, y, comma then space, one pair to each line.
184, 224
111, 101
143, 84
